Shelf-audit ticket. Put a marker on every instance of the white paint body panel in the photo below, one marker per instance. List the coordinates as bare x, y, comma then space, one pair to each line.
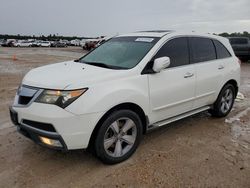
166, 88
160, 96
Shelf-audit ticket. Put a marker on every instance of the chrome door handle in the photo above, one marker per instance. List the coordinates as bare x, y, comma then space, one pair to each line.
221, 67
188, 75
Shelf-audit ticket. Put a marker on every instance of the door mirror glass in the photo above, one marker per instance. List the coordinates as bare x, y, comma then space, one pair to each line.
161, 63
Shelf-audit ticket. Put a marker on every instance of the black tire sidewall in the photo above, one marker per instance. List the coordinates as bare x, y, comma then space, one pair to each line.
99, 146
217, 105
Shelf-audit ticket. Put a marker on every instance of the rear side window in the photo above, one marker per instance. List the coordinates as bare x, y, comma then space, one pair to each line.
221, 50
177, 50
202, 49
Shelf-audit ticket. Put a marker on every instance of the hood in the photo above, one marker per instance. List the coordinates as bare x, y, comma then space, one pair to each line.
69, 75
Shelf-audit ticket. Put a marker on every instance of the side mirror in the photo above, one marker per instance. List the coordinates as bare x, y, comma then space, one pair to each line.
161, 63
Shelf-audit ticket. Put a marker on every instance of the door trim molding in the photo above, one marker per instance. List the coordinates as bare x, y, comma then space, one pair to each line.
173, 104
178, 117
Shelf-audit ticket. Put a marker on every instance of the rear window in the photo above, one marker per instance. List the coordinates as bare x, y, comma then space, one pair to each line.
238, 40
221, 50
202, 49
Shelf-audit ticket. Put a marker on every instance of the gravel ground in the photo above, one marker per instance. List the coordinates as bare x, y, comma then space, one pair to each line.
199, 151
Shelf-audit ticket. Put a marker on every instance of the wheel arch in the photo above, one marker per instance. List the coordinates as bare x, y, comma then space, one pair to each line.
234, 83
128, 106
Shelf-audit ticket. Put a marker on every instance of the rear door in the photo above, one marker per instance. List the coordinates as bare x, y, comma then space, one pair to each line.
209, 71
172, 90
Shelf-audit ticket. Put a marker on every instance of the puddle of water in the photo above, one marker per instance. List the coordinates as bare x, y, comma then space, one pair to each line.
240, 129
238, 116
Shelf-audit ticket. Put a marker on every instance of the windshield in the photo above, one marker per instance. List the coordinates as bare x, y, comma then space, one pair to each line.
120, 52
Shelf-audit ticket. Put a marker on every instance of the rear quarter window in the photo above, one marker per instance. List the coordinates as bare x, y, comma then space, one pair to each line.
221, 50
202, 49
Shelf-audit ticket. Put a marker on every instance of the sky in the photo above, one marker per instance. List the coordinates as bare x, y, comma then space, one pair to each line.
110, 17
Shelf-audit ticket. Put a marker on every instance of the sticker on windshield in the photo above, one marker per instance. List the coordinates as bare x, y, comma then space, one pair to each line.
144, 39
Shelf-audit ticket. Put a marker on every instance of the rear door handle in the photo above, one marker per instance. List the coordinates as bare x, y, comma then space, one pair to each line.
188, 75
221, 67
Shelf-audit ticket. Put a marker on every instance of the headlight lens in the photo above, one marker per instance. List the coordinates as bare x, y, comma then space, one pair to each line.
60, 98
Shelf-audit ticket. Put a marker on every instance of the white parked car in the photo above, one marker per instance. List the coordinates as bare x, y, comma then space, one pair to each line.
36, 43
75, 42
45, 44
132, 83
23, 44
82, 42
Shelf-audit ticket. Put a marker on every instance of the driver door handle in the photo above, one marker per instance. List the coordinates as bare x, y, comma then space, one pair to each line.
220, 67
188, 75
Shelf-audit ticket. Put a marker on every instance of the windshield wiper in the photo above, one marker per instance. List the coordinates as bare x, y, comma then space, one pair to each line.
104, 65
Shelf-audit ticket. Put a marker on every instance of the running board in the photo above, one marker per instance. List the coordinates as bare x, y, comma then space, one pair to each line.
178, 117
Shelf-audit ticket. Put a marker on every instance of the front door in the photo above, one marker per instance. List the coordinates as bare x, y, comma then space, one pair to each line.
172, 90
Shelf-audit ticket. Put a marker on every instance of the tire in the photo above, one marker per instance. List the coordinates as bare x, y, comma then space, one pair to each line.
122, 132
224, 102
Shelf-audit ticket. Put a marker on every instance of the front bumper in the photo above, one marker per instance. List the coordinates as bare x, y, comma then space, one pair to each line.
36, 134
72, 131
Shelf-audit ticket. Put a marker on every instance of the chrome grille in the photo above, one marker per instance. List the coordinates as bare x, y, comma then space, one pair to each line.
25, 95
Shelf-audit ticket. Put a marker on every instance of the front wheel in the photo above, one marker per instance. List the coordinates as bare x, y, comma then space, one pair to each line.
118, 137
224, 102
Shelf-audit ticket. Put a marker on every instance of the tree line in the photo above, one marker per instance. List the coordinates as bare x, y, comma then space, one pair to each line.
53, 37
41, 37
236, 34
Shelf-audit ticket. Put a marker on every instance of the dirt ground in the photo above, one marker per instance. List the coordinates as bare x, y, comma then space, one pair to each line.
199, 151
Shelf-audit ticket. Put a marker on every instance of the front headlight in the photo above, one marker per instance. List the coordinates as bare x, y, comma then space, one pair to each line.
60, 98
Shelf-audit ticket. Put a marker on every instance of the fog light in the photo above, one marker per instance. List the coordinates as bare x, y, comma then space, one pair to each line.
50, 142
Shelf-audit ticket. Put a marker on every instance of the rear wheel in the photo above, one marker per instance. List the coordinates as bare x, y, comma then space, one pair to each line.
118, 137
224, 102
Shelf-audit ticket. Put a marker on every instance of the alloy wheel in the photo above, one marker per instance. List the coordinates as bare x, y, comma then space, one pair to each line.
226, 101
120, 137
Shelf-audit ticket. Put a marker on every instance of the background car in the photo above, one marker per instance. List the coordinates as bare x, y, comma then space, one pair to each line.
75, 42
45, 44
23, 44
241, 47
82, 42
58, 44
36, 43
65, 42
90, 44
9, 43
2, 41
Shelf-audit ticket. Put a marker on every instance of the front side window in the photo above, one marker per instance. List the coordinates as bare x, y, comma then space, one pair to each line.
202, 49
120, 52
177, 50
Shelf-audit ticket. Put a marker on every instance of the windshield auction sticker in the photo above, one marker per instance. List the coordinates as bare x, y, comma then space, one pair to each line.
144, 39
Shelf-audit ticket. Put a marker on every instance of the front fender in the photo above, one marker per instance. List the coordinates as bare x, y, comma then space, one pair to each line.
103, 97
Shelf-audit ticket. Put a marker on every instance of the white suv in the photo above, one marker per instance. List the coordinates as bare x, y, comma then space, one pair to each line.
110, 97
